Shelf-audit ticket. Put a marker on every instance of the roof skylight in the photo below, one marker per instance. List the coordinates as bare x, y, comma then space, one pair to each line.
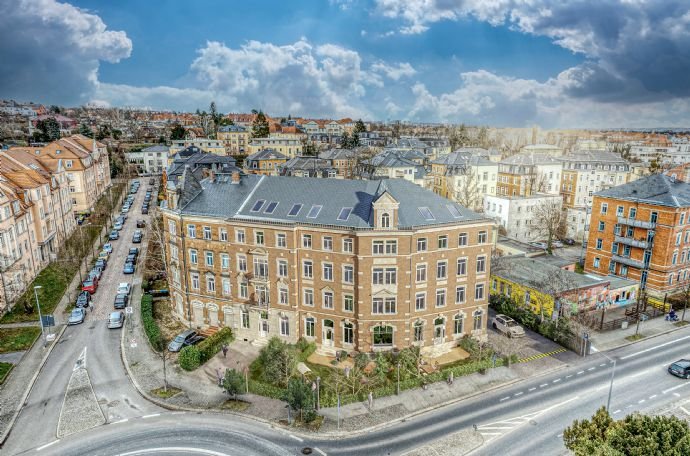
426, 213
453, 211
271, 207
258, 205
314, 211
344, 214
295, 210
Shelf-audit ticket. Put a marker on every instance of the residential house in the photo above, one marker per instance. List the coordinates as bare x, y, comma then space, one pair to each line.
213, 146
288, 144
389, 165
525, 174
516, 214
465, 176
308, 167
266, 161
235, 138
343, 160
149, 160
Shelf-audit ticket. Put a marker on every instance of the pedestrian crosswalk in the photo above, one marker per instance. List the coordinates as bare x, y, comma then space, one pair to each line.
494, 430
541, 355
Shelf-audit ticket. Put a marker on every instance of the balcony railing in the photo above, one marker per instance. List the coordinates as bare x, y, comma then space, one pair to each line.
628, 261
636, 223
631, 242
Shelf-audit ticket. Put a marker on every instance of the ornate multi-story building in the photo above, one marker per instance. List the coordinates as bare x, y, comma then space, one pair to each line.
350, 264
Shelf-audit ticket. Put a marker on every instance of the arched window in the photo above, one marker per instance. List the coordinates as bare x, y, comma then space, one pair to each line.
385, 220
383, 336
418, 331
477, 320
458, 324
348, 333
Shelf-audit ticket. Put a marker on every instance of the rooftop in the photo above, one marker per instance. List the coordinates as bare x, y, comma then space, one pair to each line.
266, 154
529, 159
538, 274
156, 148
232, 128
656, 189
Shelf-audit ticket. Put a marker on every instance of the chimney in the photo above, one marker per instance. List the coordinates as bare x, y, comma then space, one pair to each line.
235, 177
212, 175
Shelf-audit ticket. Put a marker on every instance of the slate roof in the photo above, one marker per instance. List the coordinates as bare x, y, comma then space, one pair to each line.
199, 161
306, 163
266, 154
529, 159
409, 154
223, 199
657, 189
338, 154
594, 156
533, 273
463, 158
157, 148
232, 128
390, 159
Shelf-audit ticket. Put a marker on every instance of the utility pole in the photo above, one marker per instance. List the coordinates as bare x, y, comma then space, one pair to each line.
40, 317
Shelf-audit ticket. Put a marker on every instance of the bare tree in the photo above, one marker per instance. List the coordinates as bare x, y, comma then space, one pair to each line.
550, 220
536, 183
462, 185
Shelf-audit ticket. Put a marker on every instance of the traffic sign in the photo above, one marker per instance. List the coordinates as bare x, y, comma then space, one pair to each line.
48, 320
129, 310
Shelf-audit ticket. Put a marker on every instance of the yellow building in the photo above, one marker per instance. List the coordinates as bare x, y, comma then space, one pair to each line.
265, 162
235, 138
288, 144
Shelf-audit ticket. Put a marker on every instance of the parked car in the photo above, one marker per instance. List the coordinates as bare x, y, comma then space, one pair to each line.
103, 255
101, 264
557, 244
121, 301
118, 226
84, 299
131, 258
124, 287
95, 273
680, 368
76, 316
114, 235
116, 320
134, 250
80, 219
125, 209
128, 269
507, 326
121, 218
541, 245
136, 238
145, 210
569, 241
184, 339
141, 223
152, 181
90, 285
108, 247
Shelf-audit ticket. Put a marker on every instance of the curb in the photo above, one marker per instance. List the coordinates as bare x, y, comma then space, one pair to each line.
642, 340
30, 386
64, 399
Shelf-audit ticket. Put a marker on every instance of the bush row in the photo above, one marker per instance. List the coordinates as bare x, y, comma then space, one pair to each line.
153, 332
195, 355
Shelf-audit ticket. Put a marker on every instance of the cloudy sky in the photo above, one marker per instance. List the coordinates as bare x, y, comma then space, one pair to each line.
575, 63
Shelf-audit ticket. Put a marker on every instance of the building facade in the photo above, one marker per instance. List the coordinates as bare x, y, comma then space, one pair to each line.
351, 265
235, 138
150, 160
525, 174
288, 144
465, 176
214, 146
267, 161
515, 214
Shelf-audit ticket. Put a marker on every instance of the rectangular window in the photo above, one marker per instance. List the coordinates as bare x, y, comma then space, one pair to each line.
327, 243
462, 266
308, 297
306, 241
344, 214
632, 212
282, 268
347, 245
242, 263
259, 237
378, 247
245, 319
348, 273
348, 303
223, 235
441, 298
443, 242
604, 208
258, 205
600, 244
283, 296
460, 295
314, 212
327, 299
482, 237
244, 290
261, 267
383, 306
328, 271
195, 281
441, 270
481, 264
602, 226
193, 258
226, 287
224, 261
294, 210
479, 291
207, 232
307, 269
172, 228
619, 211
462, 239
209, 258
420, 301
284, 325
421, 245
597, 262
421, 273
239, 236
348, 333
191, 231
678, 236
271, 207
391, 247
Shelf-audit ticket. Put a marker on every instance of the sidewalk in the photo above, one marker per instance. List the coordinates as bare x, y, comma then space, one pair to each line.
608, 340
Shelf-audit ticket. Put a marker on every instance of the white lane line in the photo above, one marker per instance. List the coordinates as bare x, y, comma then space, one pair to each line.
568, 376
628, 406
591, 368
684, 409
296, 438
178, 413
655, 347
518, 394
676, 394
504, 399
182, 450
47, 445
602, 364
652, 396
532, 389
543, 385
617, 411
322, 453
121, 421
674, 388
490, 433
581, 372
557, 380
150, 416
559, 436
640, 401
481, 428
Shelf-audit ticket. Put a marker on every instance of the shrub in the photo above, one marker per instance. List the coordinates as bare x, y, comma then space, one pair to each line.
361, 360
212, 345
278, 360
265, 389
190, 358
233, 383
153, 332
305, 348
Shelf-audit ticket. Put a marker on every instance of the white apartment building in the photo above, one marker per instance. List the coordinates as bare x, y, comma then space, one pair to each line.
151, 160
214, 146
515, 214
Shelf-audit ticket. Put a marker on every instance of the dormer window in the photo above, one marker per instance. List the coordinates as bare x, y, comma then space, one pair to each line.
385, 220
68, 163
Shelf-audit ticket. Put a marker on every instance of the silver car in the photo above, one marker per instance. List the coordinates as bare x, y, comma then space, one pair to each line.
116, 320
76, 317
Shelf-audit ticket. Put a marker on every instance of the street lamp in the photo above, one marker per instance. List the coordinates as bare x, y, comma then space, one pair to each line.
40, 318
613, 372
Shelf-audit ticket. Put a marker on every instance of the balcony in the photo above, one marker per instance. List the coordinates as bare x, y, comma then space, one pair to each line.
632, 242
628, 261
636, 223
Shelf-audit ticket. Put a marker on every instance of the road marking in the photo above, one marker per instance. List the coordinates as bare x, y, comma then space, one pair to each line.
121, 421
178, 413
591, 368
652, 396
674, 388
81, 361
491, 433
47, 445
497, 427
676, 394
182, 450
504, 399
568, 376
628, 406
532, 389
581, 372
617, 411
559, 436
296, 438
150, 416
541, 355
655, 347
322, 453
557, 380
640, 401
602, 364
684, 409
518, 394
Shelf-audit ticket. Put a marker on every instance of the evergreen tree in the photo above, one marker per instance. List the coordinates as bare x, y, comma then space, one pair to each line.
48, 130
233, 383
177, 132
85, 130
300, 398
260, 125
360, 127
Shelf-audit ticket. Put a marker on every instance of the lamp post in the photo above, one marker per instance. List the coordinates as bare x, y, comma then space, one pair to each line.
398, 387
613, 372
318, 390
40, 317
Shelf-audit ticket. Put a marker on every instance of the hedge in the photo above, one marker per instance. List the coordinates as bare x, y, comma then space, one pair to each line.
266, 389
189, 358
212, 345
153, 332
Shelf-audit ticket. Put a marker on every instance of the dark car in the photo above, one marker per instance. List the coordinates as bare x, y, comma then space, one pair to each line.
128, 269
121, 218
152, 181
145, 210
569, 241
136, 238
121, 301
84, 299
141, 223
680, 368
184, 339
101, 264
116, 320
131, 258
134, 251
114, 235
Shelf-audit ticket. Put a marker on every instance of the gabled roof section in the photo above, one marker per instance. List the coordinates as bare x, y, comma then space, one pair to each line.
266, 154
657, 189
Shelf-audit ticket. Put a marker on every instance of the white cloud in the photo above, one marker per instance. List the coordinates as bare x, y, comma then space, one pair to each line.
394, 71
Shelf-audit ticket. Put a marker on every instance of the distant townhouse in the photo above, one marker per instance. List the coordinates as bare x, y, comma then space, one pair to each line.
235, 138
414, 155
515, 214
542, 149
351, 265
431, 147
266, 161
389, 165
288, 144
465, 176
641, 231
525, 174
308, 167
149, 160
213, 146
199, 163
343, 160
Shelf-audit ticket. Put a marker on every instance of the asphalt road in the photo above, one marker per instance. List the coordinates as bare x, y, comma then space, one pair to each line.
38, 420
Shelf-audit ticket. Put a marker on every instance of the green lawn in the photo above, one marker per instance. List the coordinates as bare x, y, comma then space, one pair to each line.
16, 339
5, 369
